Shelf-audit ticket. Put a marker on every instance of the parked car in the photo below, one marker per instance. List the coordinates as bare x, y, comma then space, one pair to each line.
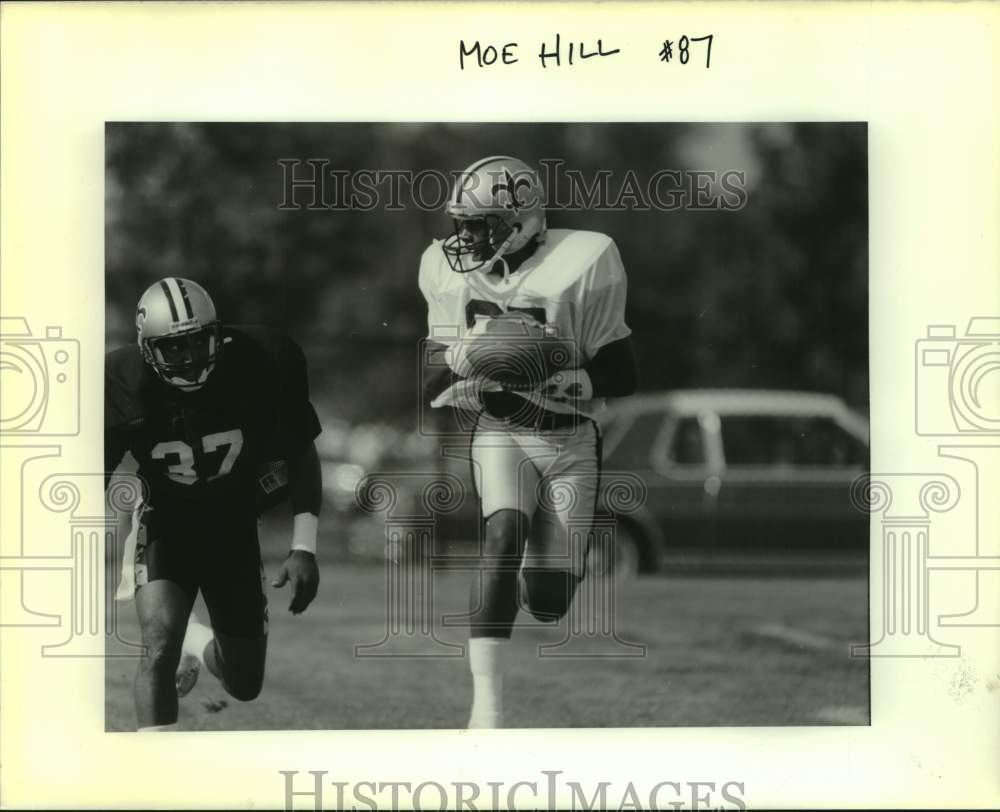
690, 476
745, 471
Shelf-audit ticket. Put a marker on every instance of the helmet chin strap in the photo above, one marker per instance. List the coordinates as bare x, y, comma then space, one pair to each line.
498, 256
506, 268
510, 288
192, 386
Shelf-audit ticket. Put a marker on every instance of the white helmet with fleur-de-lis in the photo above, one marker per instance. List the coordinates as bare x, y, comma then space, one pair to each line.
178, 332
498, 206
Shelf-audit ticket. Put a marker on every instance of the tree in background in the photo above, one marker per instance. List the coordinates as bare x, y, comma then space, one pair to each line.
772, 295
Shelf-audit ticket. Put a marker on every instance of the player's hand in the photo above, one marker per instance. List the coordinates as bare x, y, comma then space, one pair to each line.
568, 386
299, 568
456, 355
466, 394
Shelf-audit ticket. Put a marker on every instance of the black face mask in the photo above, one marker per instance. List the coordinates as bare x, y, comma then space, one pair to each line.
183, 359
475, 242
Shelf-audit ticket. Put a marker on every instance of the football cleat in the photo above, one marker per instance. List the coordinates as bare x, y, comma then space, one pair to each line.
178, 332
187, 674
497, 206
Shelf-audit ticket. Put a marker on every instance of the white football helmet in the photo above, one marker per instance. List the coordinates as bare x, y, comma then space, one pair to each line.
497, 206
178, 332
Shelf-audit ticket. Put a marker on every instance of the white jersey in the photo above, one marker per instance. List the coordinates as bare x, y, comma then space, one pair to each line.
574, 284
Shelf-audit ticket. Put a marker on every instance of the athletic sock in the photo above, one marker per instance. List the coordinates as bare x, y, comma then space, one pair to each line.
486, 661
196, 638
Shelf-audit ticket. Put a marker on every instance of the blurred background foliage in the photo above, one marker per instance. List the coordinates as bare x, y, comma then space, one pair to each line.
772, 295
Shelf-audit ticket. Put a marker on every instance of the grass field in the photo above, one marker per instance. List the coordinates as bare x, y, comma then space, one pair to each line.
734, 650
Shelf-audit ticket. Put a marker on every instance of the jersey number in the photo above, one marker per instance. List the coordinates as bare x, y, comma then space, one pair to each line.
488, 310
182, 469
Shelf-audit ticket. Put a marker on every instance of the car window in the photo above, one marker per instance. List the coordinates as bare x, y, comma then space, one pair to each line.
632, 449
687, 446
776, 440
826, 442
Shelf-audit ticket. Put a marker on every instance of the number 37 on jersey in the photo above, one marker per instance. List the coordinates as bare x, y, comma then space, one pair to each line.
214, 458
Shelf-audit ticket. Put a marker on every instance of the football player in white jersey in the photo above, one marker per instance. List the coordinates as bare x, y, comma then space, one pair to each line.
535, 451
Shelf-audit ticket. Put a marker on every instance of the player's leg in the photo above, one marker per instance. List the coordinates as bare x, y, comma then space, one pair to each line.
547, 593
234, 647
556, 555
163, 598
163, 608
190, 665
493, 606
506, 481
238, 662
493, 594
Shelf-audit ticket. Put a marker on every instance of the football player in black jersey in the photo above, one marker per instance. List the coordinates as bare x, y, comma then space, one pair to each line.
219, 421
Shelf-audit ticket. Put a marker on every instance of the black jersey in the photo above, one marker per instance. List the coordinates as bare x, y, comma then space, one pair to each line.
204, 450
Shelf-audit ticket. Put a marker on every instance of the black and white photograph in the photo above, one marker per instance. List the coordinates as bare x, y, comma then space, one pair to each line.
486, 425
475, 405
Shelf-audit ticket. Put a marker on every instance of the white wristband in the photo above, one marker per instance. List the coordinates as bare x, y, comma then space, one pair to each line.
305, 527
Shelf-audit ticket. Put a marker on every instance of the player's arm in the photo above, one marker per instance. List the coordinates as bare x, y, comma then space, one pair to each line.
444, 373
114, 452
605, 339
300, 427
436, 373
448, 377
613, 371
305, 491
116, 443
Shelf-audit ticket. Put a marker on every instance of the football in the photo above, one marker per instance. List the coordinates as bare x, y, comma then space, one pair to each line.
517, 351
